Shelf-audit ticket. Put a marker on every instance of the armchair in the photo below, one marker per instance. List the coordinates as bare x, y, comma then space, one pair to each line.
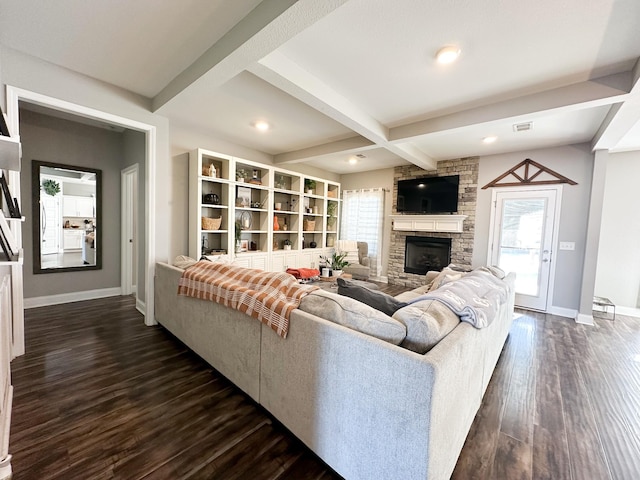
359, 266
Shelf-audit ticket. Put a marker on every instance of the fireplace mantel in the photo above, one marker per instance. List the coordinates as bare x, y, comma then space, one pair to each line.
428, 223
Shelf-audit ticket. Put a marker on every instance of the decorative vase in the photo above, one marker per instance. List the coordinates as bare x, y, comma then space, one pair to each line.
276, 225
238, 246
336, 273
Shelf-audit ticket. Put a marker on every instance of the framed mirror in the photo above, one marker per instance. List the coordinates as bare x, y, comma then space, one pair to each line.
67, 213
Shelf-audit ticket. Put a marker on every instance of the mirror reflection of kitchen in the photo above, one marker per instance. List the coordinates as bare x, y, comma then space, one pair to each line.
67, 218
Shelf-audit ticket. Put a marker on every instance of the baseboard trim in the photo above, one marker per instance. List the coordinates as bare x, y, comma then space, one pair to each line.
35, 302
628, 311
141, 306
563, 312
584, 319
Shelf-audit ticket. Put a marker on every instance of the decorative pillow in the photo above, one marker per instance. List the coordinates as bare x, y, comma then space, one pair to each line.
183, 261
378, 300
427, 322
354, 315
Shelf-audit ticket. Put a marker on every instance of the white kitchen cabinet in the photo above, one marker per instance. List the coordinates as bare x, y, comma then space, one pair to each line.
74, 206
72, 239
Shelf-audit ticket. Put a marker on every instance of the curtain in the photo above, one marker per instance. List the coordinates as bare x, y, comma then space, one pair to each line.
362, 220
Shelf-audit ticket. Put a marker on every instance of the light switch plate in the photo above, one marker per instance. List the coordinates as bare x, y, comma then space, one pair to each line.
567, 245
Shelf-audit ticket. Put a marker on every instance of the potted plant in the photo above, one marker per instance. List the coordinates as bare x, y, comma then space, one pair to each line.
337, 262
332, 210
287, 244
241, 175
309, 185
51, 187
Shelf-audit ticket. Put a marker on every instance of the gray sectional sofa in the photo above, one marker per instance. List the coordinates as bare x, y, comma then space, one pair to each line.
369, 408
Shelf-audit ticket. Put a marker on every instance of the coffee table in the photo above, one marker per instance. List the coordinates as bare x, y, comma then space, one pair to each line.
604, 303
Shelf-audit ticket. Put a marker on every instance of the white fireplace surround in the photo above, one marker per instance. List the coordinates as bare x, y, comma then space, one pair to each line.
428, 223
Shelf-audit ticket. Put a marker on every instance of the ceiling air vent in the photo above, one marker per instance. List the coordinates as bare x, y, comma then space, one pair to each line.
523, 127
361, 155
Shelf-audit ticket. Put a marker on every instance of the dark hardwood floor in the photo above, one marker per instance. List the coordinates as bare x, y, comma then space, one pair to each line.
100, 396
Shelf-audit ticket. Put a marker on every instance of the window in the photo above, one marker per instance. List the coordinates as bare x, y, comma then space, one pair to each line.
362, 220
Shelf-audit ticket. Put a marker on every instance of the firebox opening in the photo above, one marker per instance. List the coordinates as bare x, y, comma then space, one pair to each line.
422, 254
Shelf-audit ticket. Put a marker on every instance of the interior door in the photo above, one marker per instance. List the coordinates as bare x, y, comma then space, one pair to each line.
50, 224
522, 241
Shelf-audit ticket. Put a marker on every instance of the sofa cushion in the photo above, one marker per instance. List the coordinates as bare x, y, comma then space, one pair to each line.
378, 300
427, 322
353, 314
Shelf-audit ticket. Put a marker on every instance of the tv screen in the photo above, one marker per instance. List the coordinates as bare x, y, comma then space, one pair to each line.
428, 195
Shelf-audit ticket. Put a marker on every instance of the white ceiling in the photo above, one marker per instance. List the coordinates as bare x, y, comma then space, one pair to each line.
337, 78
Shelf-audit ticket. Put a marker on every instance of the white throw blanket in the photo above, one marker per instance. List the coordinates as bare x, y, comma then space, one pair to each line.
475, 298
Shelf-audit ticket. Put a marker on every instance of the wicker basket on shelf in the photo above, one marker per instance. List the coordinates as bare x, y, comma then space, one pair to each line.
308, 225
211, 223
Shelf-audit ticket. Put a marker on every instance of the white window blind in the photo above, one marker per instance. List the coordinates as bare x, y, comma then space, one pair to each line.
362, 220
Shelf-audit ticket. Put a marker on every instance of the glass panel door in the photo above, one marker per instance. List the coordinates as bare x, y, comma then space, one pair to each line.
522, 242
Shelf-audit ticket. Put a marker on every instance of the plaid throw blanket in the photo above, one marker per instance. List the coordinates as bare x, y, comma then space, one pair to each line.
268, 296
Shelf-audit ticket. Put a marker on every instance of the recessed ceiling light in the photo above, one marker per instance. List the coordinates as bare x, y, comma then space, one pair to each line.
489, 139
352, 160
262, 125
448, 54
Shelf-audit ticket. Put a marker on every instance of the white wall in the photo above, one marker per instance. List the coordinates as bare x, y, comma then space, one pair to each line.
376, 179
618, 270
575, 162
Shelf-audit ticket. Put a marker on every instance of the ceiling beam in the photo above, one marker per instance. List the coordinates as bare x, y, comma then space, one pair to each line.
288, 76
264, 29
347, 146
574, 97
621, 118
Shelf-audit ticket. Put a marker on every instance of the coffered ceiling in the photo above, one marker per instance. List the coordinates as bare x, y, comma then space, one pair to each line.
336, 78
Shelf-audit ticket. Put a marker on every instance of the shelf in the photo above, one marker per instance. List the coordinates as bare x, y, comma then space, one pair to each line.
214, 179
428, 223
15, 260
10, 153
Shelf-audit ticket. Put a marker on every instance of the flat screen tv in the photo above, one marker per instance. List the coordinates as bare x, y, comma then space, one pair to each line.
428, 195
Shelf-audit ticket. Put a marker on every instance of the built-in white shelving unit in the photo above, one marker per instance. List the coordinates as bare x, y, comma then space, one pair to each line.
263, 215
11, 294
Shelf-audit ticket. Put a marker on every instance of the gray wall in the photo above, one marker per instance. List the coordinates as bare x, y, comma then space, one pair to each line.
55, 140
618, 270
575, 162
376, 179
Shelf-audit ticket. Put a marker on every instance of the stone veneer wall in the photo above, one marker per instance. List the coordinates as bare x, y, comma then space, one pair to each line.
461, 243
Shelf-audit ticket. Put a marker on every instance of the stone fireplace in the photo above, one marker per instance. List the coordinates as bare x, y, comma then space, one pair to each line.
461, 249
422, 254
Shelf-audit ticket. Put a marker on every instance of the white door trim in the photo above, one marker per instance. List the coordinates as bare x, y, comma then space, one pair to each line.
556, 227
15, 94
128, 228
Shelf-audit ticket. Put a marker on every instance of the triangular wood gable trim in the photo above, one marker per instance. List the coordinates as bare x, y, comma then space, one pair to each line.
529, 179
